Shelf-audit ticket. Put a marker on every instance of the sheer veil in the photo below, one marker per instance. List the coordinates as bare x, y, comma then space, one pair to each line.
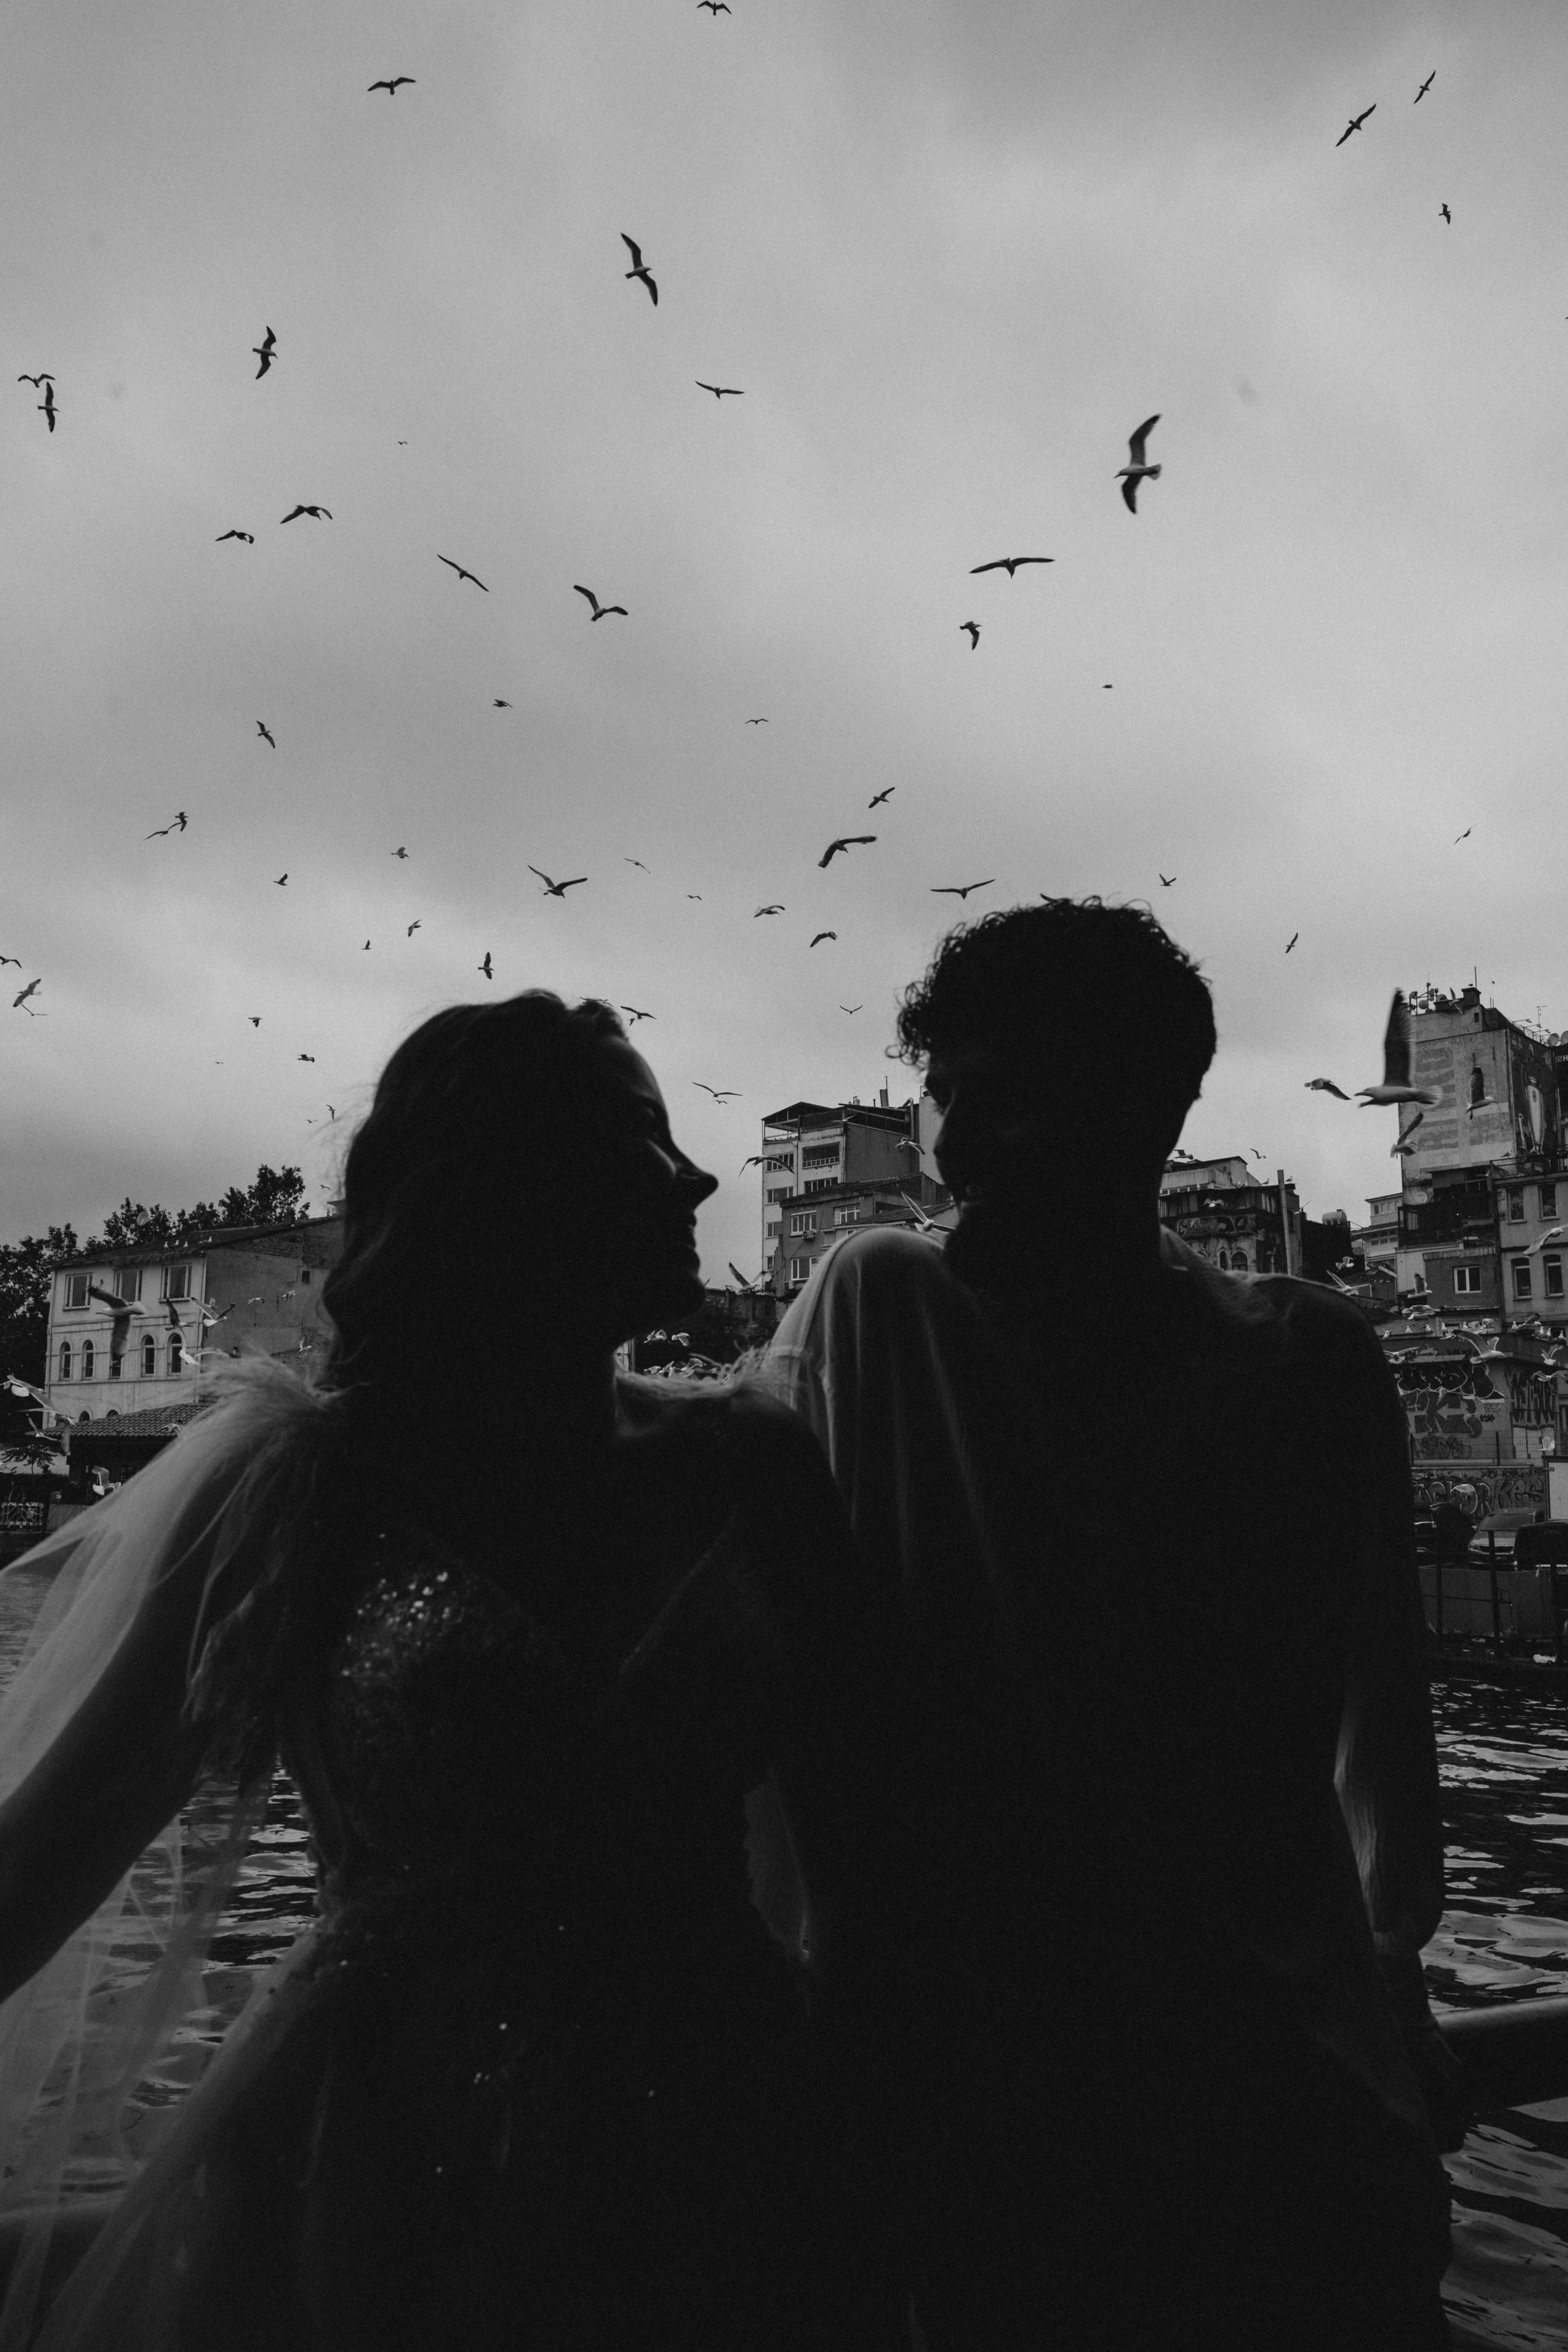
218, 1510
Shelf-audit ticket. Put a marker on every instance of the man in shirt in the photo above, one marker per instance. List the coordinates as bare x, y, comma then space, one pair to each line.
1163, 1796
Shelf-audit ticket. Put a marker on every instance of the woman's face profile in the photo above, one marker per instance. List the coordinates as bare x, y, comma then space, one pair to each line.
641, 1193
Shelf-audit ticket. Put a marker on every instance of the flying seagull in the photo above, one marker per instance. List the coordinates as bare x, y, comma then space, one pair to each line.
599, 610
1326, 1087
1425, 86
1292, 941
959, 890
557, 889
46, 405
1448, 215
845, 841
640, 267
719, 1094
263, 351
487, 967
773, 910
499, 703
391, 87
415, 926
263, 728
850, 1008
1137, 470
639, 1014
1397, 1045
248, 537
636, 862
824, 935
317, 511
399, 852
719, 7
461, 573
22, 1000
1461, 836
756, 722
1554, 1234
721, 391
1009, 563
282, 879
885, 794
176, 825
1166, 880
305, 1057
42, 377
1355, 122
254, 1019
16, 959
974, 628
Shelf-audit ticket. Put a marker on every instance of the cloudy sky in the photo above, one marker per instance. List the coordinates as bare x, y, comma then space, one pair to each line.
951, 256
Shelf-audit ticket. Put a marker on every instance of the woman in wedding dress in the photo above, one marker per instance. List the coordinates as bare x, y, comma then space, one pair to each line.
525, 1633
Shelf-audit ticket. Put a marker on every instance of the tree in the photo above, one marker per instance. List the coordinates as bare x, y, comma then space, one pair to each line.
26, 1269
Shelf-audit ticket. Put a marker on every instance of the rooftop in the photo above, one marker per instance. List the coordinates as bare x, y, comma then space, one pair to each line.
157, 1421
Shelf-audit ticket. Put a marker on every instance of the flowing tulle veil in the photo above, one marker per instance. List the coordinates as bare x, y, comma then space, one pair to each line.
219, 1508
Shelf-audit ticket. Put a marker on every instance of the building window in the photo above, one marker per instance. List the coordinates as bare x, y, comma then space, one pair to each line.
76, 1289
775, 1228
87, 1359
116, 1365
820, 1155
804, 1222
149, 1355
1477, 1087
1466, 1278
1418, 1285
850, 1212
128, 1283
799, 1268
1554, 1284
176, 1281
820, 1184
65, 1359
1238, 1262
1549, 1200
778, 1193
1521, 1277
1516, 1206
1224, 1258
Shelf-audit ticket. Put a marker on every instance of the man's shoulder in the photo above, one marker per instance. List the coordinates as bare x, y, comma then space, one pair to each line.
868, 1273
1275, 1313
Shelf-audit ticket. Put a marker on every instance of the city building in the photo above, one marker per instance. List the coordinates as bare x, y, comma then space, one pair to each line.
1233, 1216
829, 1167
133, 1332
1483, 1167
1376, 1243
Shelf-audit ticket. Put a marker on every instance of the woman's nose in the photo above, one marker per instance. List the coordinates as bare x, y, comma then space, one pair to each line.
698, 1182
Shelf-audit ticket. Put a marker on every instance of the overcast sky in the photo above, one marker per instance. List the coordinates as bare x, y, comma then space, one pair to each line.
951, 256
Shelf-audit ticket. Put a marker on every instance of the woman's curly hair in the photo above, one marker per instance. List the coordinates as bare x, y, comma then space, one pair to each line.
1068, 980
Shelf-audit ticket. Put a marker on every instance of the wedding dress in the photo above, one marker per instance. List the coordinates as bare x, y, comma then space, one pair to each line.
537, 2073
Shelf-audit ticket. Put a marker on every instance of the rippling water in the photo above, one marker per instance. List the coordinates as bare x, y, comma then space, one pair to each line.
1504, 1757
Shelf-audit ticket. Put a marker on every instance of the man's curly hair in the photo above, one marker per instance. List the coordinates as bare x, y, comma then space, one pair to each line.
1070, 980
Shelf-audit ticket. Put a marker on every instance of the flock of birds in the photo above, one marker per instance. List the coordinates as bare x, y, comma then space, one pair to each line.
1395, 1088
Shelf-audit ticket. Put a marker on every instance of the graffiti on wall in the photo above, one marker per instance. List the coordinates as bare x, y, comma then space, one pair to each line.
1450, 1407
1481, 1489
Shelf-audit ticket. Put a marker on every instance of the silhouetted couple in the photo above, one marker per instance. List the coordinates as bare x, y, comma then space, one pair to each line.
1092, 2047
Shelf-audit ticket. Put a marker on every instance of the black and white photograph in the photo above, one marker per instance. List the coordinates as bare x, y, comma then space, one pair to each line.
783, 1391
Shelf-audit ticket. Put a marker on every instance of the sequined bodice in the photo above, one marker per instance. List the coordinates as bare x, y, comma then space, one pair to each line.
461, 1756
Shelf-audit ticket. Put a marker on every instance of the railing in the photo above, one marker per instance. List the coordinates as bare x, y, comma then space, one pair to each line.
24, 1518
